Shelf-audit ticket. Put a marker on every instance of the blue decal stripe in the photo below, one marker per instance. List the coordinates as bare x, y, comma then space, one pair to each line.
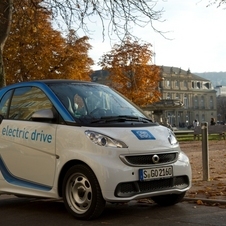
19, 182
141, 175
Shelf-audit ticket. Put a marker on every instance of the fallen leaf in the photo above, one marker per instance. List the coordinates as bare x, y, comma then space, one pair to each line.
200, 202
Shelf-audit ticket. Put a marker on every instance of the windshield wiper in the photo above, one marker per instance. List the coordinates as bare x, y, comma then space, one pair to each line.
121, 118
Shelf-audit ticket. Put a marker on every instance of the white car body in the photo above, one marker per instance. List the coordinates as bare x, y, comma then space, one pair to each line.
34, 156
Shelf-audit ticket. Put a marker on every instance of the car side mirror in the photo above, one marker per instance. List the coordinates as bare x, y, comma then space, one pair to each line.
43, 115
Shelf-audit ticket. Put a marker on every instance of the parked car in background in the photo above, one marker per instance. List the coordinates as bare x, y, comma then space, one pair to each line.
190, 126
220, 123
85, 143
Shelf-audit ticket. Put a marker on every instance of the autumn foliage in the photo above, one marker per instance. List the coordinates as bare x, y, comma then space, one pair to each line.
131, 72
34, 50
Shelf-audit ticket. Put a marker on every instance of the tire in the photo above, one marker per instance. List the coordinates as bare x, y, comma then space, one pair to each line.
82, 194
168, 200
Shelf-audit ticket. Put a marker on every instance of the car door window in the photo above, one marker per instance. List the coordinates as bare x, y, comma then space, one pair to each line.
4, 104
26, 101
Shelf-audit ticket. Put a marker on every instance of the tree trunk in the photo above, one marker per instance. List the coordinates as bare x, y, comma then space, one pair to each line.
5, 22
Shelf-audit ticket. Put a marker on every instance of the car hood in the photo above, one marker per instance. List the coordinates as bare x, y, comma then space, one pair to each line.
145, 139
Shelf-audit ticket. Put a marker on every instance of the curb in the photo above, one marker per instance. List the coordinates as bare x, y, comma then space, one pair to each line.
210, 201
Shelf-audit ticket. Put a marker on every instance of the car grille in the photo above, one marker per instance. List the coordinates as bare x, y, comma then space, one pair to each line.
129, 189
147, 160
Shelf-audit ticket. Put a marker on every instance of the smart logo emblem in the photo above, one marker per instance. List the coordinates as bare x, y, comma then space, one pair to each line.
25, 134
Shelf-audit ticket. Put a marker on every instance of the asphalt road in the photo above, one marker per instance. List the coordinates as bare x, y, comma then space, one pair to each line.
27, 212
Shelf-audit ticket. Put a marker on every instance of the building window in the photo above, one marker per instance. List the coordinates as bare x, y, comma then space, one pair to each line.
168, 83
207, 85
197, 117
211, 102
202, 102
203, 118
168, 96
196, 102
185, 101
177, 96
177, 83
185, 84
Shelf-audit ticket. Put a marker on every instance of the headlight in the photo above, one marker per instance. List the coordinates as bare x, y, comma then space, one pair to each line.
171, 138
103, 140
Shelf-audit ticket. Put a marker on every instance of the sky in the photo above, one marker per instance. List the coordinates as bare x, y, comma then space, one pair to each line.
197, 36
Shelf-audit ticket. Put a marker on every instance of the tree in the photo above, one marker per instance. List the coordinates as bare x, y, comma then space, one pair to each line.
131, 73
5, 18
34, 50
122, 15
219, 3
76, 61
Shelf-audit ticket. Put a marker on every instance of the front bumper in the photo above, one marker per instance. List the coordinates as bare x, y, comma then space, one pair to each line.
120, 182
136, 188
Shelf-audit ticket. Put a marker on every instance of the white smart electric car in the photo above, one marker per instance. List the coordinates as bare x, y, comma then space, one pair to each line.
85, 143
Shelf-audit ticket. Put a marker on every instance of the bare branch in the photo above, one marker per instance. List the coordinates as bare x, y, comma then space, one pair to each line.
219, 3
118, 16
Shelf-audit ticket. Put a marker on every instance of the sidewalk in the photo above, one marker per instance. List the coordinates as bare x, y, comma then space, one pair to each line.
213, 191
207, 193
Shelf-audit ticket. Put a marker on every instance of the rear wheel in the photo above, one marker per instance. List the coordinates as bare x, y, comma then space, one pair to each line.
168, 200
81, 193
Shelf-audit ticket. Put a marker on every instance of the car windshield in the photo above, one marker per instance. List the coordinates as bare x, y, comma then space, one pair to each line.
93, 102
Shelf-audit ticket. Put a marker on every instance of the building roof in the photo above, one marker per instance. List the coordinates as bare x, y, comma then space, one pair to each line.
103, 74
179, 71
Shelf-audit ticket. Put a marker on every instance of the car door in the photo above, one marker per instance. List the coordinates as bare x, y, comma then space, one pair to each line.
27, 152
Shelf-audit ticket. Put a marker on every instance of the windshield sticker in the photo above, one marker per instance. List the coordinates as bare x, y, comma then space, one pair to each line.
143, 135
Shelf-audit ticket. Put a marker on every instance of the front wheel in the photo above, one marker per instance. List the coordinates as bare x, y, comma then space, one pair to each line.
82, 194
168, 200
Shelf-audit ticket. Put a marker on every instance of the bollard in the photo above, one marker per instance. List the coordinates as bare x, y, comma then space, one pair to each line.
205, 151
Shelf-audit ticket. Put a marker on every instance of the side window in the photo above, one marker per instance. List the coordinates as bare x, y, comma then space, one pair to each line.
4, 104
26, 101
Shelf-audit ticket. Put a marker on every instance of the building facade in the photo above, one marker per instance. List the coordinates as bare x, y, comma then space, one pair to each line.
221, 104
221, 90
185, 97
196, 93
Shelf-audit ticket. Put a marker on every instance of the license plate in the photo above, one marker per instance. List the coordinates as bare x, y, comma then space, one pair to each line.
155, 173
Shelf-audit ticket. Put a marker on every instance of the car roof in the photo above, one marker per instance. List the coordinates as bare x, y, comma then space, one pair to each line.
61, 81
44, 83
49, 81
